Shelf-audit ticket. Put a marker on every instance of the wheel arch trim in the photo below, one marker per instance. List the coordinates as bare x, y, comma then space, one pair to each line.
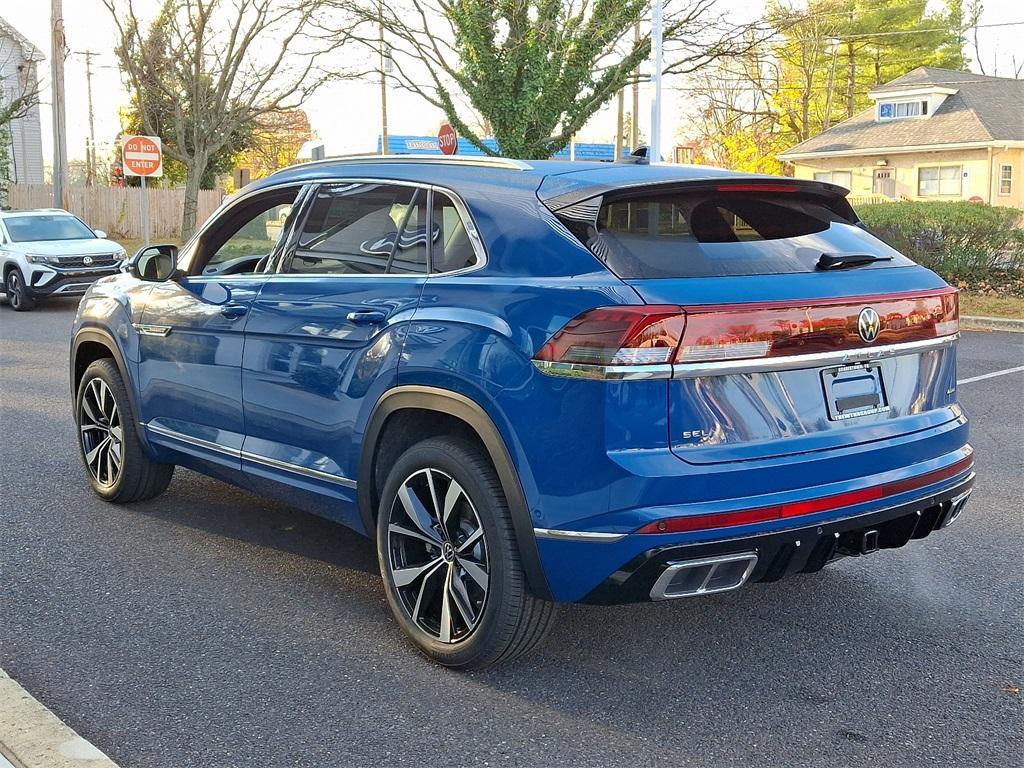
105, 339
472, 414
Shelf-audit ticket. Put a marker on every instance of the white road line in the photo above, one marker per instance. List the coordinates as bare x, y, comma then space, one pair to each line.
992, 375
31, 736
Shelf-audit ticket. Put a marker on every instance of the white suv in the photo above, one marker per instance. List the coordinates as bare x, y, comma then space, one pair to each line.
52, 253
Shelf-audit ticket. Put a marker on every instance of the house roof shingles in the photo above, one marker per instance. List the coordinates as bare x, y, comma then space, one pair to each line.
983, 109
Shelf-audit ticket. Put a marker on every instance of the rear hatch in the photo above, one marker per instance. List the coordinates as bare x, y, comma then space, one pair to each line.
783, 325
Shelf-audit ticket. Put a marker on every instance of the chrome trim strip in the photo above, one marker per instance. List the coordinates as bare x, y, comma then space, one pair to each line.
196, 441
247, 456
482, 162
795, 362
731, 367
69, 288
148, 329
187, 251
297, 469
555, 533
605, 372
961, 496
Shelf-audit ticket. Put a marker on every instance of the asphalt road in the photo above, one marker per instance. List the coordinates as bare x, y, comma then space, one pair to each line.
211, 628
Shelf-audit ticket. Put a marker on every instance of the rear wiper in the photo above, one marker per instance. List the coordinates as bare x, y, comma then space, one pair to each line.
848, 260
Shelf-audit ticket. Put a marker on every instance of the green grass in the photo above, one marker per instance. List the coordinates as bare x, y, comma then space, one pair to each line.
991, 306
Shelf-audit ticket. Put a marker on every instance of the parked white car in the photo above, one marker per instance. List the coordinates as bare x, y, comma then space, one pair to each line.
51, 252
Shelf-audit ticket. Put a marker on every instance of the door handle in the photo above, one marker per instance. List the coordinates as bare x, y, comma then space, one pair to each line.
232, 311
366, 317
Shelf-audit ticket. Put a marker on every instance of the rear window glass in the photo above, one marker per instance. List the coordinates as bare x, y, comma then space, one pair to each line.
701, 235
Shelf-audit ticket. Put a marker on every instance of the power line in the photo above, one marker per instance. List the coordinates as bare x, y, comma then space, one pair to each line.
873, 35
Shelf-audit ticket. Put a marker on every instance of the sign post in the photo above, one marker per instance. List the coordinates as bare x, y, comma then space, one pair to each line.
142, 156
447, 140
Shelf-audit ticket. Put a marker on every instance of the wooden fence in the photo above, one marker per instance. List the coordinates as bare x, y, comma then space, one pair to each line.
117, 211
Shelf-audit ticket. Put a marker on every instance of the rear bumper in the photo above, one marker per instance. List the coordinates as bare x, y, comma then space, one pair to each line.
658, 573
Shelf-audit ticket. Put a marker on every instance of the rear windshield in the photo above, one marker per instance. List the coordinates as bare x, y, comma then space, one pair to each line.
717, 234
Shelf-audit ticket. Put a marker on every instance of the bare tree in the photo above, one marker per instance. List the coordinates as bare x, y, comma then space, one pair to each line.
203, 71
534, 70
19, 92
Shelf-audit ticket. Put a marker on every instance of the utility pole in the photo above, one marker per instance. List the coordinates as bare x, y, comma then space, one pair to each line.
634, 123
60, 147
654, 150
90, 154
384, 66
620, 108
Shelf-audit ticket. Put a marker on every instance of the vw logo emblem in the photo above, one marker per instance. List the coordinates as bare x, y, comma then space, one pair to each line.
87, 260
447, 552
869, 324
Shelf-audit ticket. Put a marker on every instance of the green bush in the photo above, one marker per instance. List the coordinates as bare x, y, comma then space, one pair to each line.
959, 240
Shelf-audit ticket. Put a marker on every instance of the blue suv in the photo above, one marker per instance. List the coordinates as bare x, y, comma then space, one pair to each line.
538, 382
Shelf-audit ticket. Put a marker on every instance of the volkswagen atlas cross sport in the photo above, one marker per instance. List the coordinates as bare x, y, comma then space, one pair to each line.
538, 382
51, 252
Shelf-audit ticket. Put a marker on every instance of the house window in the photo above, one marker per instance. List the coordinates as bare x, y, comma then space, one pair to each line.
1005, 179
841, 178
894, 110
940, 180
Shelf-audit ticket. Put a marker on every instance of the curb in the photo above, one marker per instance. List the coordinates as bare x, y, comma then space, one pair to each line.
31, 736
979, 323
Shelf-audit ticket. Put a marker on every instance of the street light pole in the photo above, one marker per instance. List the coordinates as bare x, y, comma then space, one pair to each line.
60, 148
654, 151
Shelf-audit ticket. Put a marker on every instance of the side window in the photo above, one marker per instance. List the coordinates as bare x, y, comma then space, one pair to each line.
256, 238
245, 235
453, 248
364, 229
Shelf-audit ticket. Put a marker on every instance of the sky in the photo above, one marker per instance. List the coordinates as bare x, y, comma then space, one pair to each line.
346, 114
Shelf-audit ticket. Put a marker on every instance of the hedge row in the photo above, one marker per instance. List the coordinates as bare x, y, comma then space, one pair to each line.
959, 240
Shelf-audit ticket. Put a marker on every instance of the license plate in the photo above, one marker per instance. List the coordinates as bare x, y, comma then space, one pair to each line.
854, 390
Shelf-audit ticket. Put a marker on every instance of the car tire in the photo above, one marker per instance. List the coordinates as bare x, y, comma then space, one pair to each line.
115, 462
17, 292
436, 577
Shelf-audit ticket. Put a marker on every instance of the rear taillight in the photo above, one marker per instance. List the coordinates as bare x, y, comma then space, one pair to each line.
628, 335
665, 335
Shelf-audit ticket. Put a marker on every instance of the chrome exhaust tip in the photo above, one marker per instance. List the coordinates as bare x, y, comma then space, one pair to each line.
956, 507
686, 578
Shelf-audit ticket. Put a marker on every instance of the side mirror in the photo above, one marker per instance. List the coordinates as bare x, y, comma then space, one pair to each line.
154, 263
100, 234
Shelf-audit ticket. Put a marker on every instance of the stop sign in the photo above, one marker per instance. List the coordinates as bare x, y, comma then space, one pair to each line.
447, 140
142, 156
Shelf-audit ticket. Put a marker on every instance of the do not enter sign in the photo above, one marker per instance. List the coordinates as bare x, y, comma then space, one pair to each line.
142, 156
447, 140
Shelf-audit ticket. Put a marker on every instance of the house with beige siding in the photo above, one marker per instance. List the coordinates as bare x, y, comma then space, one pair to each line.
22, 137
932, 134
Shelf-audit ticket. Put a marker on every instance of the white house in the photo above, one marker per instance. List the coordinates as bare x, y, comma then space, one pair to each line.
19, 61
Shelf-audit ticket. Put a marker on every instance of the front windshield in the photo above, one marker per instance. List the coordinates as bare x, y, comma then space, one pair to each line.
23, 229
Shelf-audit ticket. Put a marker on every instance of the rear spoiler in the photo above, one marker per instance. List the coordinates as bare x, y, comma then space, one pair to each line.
581, 202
